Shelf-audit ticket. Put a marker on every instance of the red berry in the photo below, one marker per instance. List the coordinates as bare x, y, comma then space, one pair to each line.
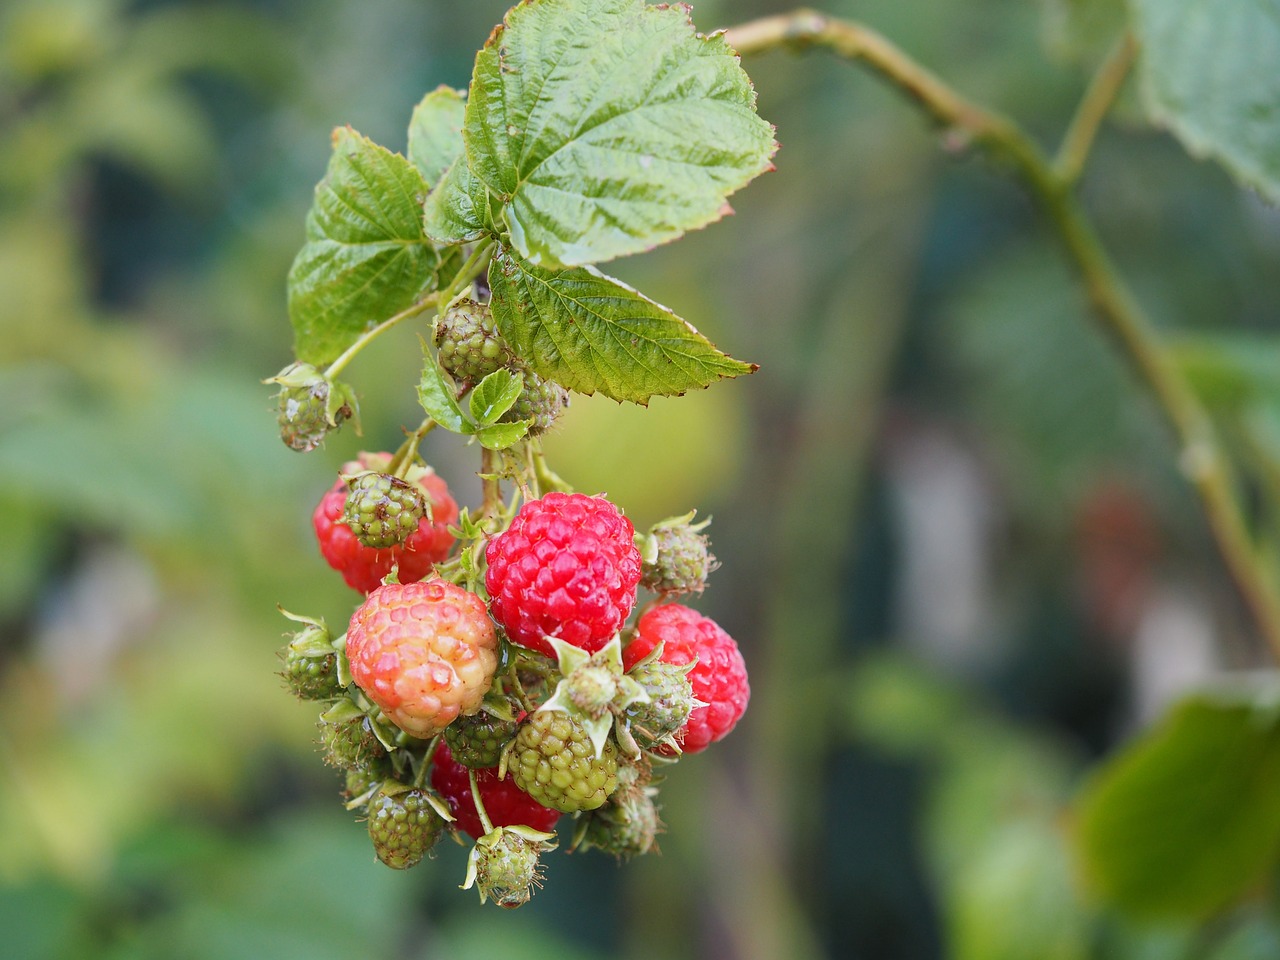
364, 567
567, 567
505, 803
719, 678
423, 652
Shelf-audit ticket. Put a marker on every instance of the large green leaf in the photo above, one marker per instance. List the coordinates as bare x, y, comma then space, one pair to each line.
592, 333
366, 257
1210, 73
460, 208
1188, 818
435, 132
609, 126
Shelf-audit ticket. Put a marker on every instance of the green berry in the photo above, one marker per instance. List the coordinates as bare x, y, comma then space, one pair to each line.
365, 775
506, 866
403, 825
382, 510
311, 662
670, 702
676, 557
310, 405
626, 826
555, 763
347, 739
476, 741
542, 401
468, 343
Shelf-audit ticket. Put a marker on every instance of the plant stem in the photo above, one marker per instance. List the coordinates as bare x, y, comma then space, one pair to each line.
399, 465
479, 802
491, 485
469, 271
1201, 457
1094, 105
369, 336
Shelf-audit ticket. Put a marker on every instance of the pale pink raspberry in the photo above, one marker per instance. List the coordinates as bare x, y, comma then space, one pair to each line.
424, 652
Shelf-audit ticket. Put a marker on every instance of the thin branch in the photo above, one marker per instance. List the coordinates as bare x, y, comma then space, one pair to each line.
1201, 457
1094, 106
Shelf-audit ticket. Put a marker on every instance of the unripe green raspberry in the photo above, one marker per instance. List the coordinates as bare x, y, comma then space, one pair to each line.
477, 740
468, 343
555, 763
347, 739
310, 662
669, 705
541, 401
626, 826
676, 557
506, 866
310, 405
365, 775
403, 825
382, 510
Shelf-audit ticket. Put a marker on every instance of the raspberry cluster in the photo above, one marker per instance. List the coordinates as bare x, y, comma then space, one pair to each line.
509, 667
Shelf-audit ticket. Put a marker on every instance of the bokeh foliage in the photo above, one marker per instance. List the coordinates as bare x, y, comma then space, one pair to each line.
158, 791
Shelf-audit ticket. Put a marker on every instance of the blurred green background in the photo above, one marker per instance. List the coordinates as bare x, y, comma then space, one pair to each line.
955, 547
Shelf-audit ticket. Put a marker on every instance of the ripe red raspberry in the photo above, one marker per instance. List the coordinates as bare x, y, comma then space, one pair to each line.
567, 567
719, 678
505, 803
364, 567
423, 652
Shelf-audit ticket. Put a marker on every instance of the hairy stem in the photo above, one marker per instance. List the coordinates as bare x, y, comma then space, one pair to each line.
1201, 456
369, 336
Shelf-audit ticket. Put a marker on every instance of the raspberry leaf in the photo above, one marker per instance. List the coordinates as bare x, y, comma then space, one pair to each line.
1209, 74
435, 133
366, 257
438, 396
494, 396
609, 126
591, 333
460, 208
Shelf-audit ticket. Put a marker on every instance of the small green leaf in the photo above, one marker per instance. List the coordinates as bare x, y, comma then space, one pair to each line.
438, 398
1209, 74
495, 395
366, 257
1229, 371
1188, 818
499, 436
459, 209
591, 333
435, 132
609, 126
1082, 30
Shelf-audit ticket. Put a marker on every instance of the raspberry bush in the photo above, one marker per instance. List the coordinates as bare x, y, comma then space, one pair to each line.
504, 667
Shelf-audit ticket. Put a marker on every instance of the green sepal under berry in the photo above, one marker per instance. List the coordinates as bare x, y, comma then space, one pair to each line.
676, 556
310, 405
554, 761
595, 689
383, 510
504, 864
311, 661
404, 824
626, 826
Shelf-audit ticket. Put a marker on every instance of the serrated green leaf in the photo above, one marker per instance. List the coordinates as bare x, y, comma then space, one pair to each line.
593, 334
1209, 73
366, 257
495, 395
609, 126
435, 132
459, 209
1188, 818
499, 436
437, 397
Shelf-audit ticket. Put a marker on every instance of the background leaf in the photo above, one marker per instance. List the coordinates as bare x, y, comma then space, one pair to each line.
1209, 75
591, 333
435, 132
1188, 818
366, 257
609, 126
